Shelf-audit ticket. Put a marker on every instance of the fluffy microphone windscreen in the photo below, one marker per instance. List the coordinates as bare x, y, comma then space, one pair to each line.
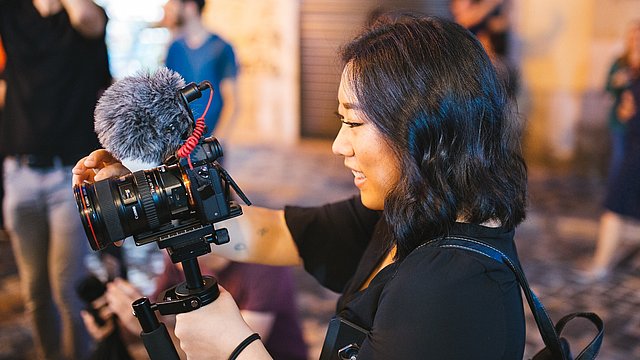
142, 118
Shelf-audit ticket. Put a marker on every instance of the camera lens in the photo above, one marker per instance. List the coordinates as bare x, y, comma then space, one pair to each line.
115, 208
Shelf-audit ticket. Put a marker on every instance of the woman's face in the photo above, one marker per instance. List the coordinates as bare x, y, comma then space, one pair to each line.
365, 150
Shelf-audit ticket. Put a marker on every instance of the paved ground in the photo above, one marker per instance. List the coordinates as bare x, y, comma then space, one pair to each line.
557, 238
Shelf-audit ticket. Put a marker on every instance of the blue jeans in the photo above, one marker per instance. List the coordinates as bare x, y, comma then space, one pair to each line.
49, 245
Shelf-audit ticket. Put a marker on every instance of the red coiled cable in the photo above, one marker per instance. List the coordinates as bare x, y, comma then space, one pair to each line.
192, 140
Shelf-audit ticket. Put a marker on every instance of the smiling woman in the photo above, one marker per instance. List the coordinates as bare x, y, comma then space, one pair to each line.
366, 152
428, 133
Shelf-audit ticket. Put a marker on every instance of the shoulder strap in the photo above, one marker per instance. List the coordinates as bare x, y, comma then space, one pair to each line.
548, 332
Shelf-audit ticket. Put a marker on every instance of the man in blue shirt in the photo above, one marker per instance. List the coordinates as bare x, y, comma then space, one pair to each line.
199, 55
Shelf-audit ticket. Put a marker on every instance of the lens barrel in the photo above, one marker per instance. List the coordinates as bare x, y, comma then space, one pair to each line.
115, 208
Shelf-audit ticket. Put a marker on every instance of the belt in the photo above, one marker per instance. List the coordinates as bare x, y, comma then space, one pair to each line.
44, 161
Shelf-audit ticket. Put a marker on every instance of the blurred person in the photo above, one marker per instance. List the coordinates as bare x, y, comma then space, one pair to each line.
3, 90
619, 80
415, 92
623, 188
197, 55
265, 295
489, 21
56, 68
486, 18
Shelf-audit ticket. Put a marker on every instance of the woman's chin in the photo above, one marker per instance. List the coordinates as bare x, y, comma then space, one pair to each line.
371, 202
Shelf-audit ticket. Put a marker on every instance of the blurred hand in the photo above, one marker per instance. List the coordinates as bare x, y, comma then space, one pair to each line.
120, 295
214, 330
621, 78
98, 165
627, 107
96, 331
3, 92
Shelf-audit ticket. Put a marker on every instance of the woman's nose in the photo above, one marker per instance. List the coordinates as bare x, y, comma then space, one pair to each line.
341, 144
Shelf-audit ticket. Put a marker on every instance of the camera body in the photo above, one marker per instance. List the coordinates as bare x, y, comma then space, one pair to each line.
205, 177
171, 204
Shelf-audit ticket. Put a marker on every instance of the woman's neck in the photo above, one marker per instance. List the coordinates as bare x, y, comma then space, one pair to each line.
491, 223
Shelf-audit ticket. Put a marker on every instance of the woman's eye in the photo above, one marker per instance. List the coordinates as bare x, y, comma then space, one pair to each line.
350, 124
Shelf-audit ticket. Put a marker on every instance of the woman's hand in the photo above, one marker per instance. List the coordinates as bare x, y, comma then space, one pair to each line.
99, 165
214, 331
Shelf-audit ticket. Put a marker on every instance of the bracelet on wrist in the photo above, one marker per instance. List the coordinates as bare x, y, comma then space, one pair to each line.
251, 338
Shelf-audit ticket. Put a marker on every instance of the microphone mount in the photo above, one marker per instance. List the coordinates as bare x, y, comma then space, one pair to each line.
193, 91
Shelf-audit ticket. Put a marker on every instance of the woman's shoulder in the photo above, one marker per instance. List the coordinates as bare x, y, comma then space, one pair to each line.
431, 269
431, 265
449, 294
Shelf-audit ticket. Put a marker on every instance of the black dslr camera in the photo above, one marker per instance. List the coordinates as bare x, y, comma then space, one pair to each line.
180, 199
163, 203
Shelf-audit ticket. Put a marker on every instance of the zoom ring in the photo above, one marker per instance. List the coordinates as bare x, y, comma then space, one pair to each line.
147, 199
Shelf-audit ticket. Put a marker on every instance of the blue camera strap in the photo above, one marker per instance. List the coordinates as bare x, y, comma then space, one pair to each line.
556, 347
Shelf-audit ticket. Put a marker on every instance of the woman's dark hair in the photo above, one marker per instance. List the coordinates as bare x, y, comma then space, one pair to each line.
430, 89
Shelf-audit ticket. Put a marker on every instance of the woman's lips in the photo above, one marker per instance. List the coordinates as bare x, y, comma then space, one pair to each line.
358, 178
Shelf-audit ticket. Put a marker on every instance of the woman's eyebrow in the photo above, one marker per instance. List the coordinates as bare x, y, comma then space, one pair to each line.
350, 106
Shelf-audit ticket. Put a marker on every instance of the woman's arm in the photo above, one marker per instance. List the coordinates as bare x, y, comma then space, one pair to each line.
261, 236
259, 321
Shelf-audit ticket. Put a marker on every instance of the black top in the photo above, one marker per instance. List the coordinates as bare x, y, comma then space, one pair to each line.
54, 77
438, 303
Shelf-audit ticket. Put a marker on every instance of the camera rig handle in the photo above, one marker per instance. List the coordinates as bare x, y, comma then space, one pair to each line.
196, 291
154, 334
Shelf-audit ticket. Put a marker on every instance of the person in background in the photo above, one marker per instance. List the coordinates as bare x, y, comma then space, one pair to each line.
434, 145
623, 186
56, 68
620, 76
265, 296
489, 21
487, 18
199, 55
3, 90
